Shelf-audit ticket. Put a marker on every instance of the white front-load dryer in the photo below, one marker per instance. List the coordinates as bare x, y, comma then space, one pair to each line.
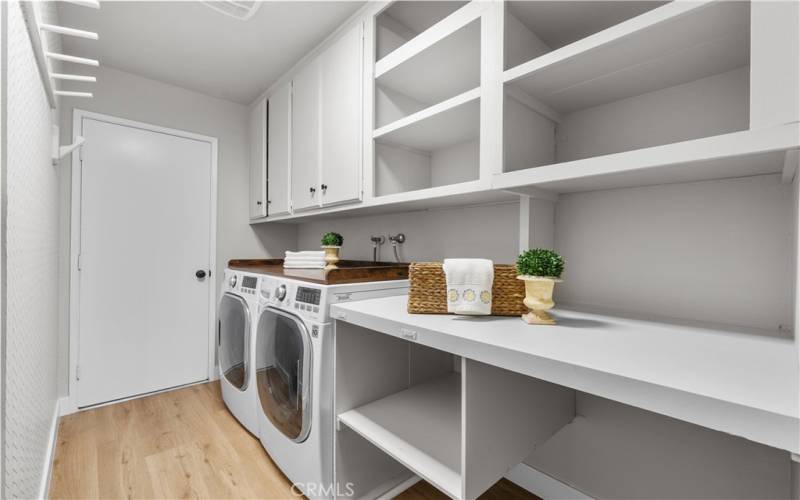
235, 346
294, 376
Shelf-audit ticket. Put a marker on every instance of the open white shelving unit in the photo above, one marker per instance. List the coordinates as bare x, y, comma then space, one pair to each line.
672, 44
427, 131
592, 96
675, 73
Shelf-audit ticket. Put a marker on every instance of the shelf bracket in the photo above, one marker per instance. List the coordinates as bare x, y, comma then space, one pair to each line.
59, 151
533, 192
791, 162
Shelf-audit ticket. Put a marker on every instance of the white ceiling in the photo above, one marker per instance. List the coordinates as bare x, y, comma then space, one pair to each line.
193, 46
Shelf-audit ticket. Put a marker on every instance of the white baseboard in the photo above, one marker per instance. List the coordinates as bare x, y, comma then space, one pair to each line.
47, 466
542, 485
66, 406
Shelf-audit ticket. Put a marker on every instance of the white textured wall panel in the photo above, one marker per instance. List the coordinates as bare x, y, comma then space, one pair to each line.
31, 279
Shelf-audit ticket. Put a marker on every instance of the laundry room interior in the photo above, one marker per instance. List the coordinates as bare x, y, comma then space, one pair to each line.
414, 249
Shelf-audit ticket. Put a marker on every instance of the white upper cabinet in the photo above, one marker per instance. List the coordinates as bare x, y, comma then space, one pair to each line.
278, 139
305, 137
341, 110
258, 160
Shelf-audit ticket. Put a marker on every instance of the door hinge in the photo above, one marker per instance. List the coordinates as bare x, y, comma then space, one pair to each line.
78, 372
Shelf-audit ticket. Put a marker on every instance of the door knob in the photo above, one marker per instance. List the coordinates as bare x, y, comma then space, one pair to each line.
200, 274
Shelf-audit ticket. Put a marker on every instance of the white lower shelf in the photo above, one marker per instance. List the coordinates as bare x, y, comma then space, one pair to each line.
738, 154
735, 380
429, 441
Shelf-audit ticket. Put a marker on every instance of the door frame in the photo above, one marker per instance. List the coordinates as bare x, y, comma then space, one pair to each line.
75, 239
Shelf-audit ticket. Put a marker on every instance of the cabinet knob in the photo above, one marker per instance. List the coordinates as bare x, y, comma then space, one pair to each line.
258, 203
312, 190
324, 188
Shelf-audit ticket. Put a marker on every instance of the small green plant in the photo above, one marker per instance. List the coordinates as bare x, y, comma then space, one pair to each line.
332, 240
540, 262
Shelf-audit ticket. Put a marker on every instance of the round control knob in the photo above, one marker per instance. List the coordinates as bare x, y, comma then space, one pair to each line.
280, 292
232, 281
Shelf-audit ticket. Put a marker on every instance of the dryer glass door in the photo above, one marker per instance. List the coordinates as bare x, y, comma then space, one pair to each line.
232, 339
283, 373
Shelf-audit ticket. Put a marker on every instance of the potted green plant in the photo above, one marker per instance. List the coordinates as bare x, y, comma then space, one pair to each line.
332, 243
540, 269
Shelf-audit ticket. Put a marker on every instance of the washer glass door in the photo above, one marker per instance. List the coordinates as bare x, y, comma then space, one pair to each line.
283, 373
232, 339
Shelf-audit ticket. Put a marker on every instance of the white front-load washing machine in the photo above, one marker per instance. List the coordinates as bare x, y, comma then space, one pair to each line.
236, 346
294, 375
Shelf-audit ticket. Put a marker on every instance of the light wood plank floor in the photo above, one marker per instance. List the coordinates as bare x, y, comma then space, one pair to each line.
179, 444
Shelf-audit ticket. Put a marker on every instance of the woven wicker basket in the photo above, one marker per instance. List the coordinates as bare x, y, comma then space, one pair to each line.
428, 291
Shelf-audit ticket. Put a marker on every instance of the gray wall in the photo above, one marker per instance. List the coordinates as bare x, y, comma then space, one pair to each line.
677, 250
489, 231
133, 97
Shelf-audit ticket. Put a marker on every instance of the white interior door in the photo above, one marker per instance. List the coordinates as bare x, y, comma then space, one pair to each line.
145, 230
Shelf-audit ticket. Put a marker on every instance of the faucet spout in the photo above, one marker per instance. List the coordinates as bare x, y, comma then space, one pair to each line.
377, 241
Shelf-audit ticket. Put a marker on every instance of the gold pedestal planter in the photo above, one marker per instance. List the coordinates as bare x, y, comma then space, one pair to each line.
538, 299
331, 256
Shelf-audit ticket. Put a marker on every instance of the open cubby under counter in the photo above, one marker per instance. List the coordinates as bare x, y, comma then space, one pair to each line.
741, 381
406, 409
420, 427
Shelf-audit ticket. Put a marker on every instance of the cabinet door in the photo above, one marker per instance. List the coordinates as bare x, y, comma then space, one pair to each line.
258, 160
305, 138
341, 110
278, 151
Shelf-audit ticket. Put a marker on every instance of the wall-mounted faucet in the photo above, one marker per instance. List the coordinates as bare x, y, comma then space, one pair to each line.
377, 241
397, 239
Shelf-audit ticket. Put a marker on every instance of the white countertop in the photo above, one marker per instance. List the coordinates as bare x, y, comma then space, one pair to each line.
739, 381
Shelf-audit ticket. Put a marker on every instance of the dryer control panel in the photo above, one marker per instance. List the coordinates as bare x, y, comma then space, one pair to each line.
301, 299
307, 299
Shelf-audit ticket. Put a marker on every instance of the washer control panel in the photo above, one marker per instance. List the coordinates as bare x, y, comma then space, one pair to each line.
249, 284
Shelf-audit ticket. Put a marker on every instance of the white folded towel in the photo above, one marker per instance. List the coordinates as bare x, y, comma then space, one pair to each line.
309, 259
469, 285
306, 254
304, 265
304, 259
